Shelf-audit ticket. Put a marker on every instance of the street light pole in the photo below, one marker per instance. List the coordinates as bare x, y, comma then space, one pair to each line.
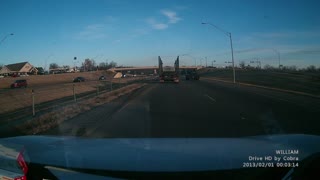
278, 56
234, 73
279, 60
5, 37
230, 37
206, 61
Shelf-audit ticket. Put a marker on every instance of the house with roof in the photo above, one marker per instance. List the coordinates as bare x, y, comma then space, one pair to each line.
18, 68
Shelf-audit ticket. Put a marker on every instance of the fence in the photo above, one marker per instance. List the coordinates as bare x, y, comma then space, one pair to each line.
26, 102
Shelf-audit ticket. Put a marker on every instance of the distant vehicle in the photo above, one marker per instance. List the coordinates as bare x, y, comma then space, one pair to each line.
128, 75
102, 78
19, 83
41, 73
79, 79
169, 76
192, 76
15, 75
13, 162
167, 73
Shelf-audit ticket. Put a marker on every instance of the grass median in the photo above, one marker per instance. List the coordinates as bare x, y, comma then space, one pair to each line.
304, 82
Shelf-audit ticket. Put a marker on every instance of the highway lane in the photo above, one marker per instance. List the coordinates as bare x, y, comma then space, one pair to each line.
197, 109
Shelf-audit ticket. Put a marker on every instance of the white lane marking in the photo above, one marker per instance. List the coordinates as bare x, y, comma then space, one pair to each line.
123, 107
274, 97
210, 98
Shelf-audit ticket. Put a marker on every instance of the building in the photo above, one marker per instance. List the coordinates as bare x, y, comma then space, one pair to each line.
18, 69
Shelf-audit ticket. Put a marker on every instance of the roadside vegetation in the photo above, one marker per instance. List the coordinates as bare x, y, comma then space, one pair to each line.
54, 118
305, 80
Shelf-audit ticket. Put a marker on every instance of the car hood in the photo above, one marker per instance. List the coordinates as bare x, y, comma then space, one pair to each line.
161, 154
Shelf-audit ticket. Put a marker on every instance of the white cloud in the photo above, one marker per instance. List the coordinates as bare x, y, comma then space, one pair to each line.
110, 19
92, 31
156, 25
94, 26
171, 15
117, 40
160, 26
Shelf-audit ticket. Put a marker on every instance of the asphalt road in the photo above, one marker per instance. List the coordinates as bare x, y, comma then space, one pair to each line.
202, 108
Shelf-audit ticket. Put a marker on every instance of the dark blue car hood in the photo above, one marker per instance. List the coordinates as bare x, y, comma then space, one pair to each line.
161, 154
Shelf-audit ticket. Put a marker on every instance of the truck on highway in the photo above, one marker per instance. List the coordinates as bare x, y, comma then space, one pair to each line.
192, 75
168, 73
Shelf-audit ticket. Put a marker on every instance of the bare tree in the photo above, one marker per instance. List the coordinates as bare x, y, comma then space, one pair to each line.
268, 67
242, 65
53, 66
88, 65
112, 64
102, 66
311, 68
293, 68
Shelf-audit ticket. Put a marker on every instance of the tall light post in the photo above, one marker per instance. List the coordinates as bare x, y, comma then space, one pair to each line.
230, 37
206, 62
5, 37
194, 58
212, 62
276, 51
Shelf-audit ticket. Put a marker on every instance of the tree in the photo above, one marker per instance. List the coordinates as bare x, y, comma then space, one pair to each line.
311, 68
88, 65
242, 64
66, 66
112, 64
268, 67
289, 68
53, 66
103, 66
1, 65
106, 65
293, 68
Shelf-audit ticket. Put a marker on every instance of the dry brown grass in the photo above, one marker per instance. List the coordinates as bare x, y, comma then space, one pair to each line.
53, 79
55, 117
20, 98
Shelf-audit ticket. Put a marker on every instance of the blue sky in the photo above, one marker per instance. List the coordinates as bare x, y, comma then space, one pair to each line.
137, 32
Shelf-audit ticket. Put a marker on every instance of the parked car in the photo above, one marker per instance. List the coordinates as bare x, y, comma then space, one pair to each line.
79, 79
19, 83
102, 78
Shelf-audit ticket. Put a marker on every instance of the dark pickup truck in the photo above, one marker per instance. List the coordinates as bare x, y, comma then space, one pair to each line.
192, 76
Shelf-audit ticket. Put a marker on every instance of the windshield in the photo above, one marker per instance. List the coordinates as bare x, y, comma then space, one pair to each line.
230, 72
